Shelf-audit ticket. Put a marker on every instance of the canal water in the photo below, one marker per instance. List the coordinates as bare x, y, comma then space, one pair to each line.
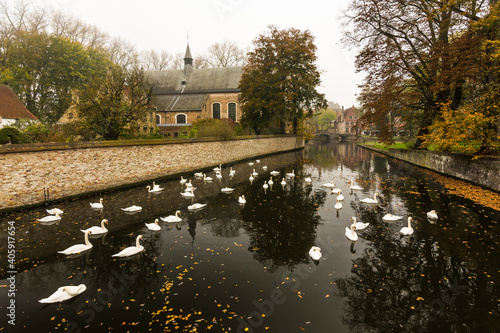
231, 267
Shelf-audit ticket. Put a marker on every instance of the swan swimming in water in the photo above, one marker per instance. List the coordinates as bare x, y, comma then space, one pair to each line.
432, 215
355, 187
54, 211
315, 253
291, 174
98, 230
207, 179
189, 193
340, 196
330, 184
183, 181
407, 230
97, 205
131, 250
250, 178
338, 205
370, 200
132, 209
153, 226
172, 218
227, 190
242, 200
265, 186
275, 173
64, 293
196, 206
359, 225
50, 218
79, 247
154, 189
390, 217
350, 233
308, 179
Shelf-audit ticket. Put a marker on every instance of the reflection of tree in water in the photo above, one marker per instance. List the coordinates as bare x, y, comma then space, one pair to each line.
432, 281
226, 228
282, 224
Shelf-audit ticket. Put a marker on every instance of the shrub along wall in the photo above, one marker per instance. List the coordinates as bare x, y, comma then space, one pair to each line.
68, 170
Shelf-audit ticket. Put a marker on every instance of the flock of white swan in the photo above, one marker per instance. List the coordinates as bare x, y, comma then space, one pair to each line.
67, 292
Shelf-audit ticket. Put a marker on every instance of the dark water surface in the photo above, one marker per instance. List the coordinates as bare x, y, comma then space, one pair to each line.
246, 268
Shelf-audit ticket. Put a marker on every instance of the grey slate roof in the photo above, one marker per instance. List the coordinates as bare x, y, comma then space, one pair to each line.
201, 80
180, 102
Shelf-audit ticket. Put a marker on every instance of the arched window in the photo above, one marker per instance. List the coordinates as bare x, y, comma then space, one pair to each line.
216, 110
158, 119
231, 110
180, 119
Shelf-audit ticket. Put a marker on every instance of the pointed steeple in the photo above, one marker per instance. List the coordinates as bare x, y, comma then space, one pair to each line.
188, 61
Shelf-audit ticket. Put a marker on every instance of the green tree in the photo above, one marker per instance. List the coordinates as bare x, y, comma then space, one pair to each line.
278, 85
323, 119
43, 70
115, 103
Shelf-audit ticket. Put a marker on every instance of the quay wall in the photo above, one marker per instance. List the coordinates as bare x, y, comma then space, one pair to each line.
483, 171
28, 173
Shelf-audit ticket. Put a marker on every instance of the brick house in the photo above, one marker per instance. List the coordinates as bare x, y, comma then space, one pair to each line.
346, 120
181, 97
11, 108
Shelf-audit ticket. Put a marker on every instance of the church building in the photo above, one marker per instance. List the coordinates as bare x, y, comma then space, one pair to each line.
181, 97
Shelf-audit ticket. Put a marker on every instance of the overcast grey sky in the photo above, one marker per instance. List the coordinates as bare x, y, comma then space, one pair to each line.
164, 24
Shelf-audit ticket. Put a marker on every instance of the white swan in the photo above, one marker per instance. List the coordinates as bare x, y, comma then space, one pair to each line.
275, 173
250, 163
330, 184
207, 179
50, 218
131, 250
291, 174
359, 225
79, 247
355, 187
218, 168
64, 293
254, 173
350, 233
270, 182
153, 226
340, 196
97, 205
132, 209
390, 217
432, 215
188, 193
218, 175
154, 189
264, 167
315, 253
98, 230
227, 190
172, 218
370, 200
232, 172
198, 175
155, 186
196, 206
189, 184
258, 161
242, 200
283, 182
265, 186
308, 179
54, 211
407, 230
250, 178
338, 205
183, 181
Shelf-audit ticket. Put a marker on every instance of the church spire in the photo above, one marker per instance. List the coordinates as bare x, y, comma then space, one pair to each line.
188, 61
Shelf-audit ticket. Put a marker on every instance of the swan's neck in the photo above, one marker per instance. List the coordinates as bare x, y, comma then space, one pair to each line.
409, 222
87, 239
137, 243
353, 220
103, 225
177, 214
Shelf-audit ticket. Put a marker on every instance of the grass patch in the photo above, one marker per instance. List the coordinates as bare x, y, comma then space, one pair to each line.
401, 145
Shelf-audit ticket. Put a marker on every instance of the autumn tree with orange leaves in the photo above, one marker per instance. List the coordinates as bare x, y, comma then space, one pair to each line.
279, 81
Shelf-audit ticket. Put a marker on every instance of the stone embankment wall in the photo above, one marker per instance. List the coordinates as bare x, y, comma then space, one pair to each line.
68, 170
484, 171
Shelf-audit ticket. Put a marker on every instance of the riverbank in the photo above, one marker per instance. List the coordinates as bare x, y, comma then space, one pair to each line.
484, 171
36, 174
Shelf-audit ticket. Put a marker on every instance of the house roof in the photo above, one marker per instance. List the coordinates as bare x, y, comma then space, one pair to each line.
11, 106
180, 102
204, 80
